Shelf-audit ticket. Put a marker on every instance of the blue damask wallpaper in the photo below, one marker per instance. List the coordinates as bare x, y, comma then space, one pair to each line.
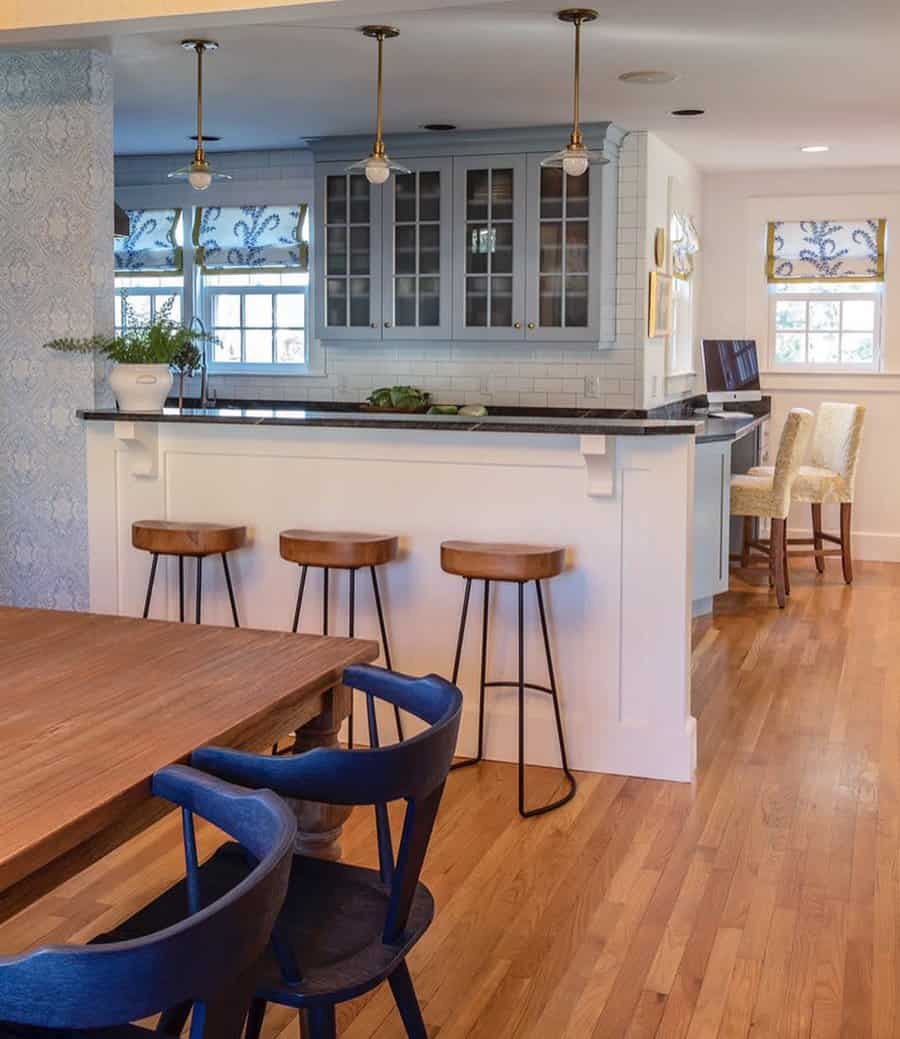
56, 207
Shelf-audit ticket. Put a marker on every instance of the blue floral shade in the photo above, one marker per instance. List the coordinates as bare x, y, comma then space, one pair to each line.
685, 244
826, 251
150, 248
251, 238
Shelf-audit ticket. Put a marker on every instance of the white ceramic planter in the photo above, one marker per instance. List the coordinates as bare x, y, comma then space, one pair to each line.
141, 387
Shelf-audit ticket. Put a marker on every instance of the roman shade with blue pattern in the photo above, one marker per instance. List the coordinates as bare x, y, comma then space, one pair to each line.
685, 243
243, 239
817, 251
151, 248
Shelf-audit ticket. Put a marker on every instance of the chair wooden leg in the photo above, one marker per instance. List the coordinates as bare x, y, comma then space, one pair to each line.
321, 1022
817, 535
745, 543
776, 550
255, 1019
787, 567
405, 995
846, 545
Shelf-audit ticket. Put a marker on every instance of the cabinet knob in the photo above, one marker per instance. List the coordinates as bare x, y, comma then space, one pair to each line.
518, 324
531, 324
387, 324
374, 324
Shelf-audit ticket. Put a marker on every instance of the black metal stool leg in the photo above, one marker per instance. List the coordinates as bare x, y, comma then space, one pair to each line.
384, 643
234, 612
199, 585
181, 589
153, 563
324, 600
296, 624
557, 715
456, 662
521, 646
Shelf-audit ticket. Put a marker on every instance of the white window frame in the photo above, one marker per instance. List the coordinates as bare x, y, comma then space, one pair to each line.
680, 347
875, 294
208, 294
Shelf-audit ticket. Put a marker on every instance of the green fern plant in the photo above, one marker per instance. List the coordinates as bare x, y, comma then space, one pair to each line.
160, 341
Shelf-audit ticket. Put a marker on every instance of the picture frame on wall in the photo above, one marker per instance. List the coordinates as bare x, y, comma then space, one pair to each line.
660, 317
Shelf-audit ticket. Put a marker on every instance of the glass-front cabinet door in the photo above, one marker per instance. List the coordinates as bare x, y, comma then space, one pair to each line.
417, 251
348, 255
564, 257
489, 247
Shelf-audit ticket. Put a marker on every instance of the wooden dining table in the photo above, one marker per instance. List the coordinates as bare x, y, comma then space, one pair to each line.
91, 706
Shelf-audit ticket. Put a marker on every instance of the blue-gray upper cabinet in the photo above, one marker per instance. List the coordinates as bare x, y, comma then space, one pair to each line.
478, 242
571, 254
489, 247
416, 251
383, 253
347, 254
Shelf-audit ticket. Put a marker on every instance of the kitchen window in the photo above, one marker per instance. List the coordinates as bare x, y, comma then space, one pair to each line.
246, 279
259, 320
826, 327
826, 285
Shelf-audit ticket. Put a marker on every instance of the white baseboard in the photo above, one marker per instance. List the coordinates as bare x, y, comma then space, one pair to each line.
874, 547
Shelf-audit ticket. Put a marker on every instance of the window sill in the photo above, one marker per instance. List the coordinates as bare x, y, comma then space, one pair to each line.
830, 381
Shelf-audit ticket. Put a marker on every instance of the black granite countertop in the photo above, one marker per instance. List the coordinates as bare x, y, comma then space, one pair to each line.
547, 421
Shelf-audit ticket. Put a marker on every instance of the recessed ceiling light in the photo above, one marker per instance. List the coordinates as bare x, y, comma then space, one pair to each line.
649, 76
815, 148
688, 113
439, 127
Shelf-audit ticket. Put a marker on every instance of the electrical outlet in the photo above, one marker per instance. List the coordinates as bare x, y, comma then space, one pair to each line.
485, 385
592, 385
654, 386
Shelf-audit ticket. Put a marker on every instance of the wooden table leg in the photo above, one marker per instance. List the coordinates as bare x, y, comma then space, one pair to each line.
319, 826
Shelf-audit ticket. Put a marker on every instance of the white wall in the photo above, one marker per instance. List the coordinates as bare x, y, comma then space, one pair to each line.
661, 165
550, 375
734, 304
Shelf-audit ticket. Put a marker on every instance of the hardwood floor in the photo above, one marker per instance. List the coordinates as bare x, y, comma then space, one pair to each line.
762, 901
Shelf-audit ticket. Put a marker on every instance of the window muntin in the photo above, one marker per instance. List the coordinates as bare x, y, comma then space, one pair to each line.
141, 299
826, 326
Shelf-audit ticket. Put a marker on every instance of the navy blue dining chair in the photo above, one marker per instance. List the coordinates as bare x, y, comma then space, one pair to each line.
203, 961
345, 929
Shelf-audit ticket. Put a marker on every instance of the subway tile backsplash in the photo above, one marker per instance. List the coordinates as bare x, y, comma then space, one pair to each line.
552, 375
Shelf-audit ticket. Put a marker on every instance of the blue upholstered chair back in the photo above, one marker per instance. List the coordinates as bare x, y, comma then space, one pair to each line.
414, 770
197, 959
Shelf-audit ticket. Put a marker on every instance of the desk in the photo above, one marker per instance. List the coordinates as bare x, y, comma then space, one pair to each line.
93, 705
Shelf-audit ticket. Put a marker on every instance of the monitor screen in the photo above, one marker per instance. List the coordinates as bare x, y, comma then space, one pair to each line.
731, 365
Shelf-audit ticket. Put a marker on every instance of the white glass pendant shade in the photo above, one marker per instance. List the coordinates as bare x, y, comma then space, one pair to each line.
199, 174
575, 161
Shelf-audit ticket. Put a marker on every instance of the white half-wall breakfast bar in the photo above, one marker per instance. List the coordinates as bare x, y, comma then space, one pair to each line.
618, 494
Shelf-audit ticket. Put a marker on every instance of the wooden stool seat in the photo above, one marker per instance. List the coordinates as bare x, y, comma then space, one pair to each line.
487, 561
166, 538
337, 550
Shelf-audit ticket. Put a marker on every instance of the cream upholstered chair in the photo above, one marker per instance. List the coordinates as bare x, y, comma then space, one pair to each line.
768, 496
829, 479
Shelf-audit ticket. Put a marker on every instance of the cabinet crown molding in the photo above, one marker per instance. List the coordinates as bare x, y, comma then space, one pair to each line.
605, 137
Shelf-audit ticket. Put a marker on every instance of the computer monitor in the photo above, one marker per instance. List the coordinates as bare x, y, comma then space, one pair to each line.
732, 370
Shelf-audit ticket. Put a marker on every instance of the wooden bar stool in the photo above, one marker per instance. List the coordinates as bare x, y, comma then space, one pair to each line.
339, 550
198, 540
517, 564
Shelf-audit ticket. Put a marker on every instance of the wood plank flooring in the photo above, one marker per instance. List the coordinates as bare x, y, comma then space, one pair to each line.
763, 900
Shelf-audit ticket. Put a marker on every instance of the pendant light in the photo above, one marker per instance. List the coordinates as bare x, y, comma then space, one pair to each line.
199, 174
575, 158
377, 167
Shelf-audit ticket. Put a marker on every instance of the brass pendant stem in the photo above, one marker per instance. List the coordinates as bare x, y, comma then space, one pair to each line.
379, 119
199, 153
576, 130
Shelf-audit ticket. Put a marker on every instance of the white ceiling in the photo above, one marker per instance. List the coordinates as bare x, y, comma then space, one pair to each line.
772, 75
